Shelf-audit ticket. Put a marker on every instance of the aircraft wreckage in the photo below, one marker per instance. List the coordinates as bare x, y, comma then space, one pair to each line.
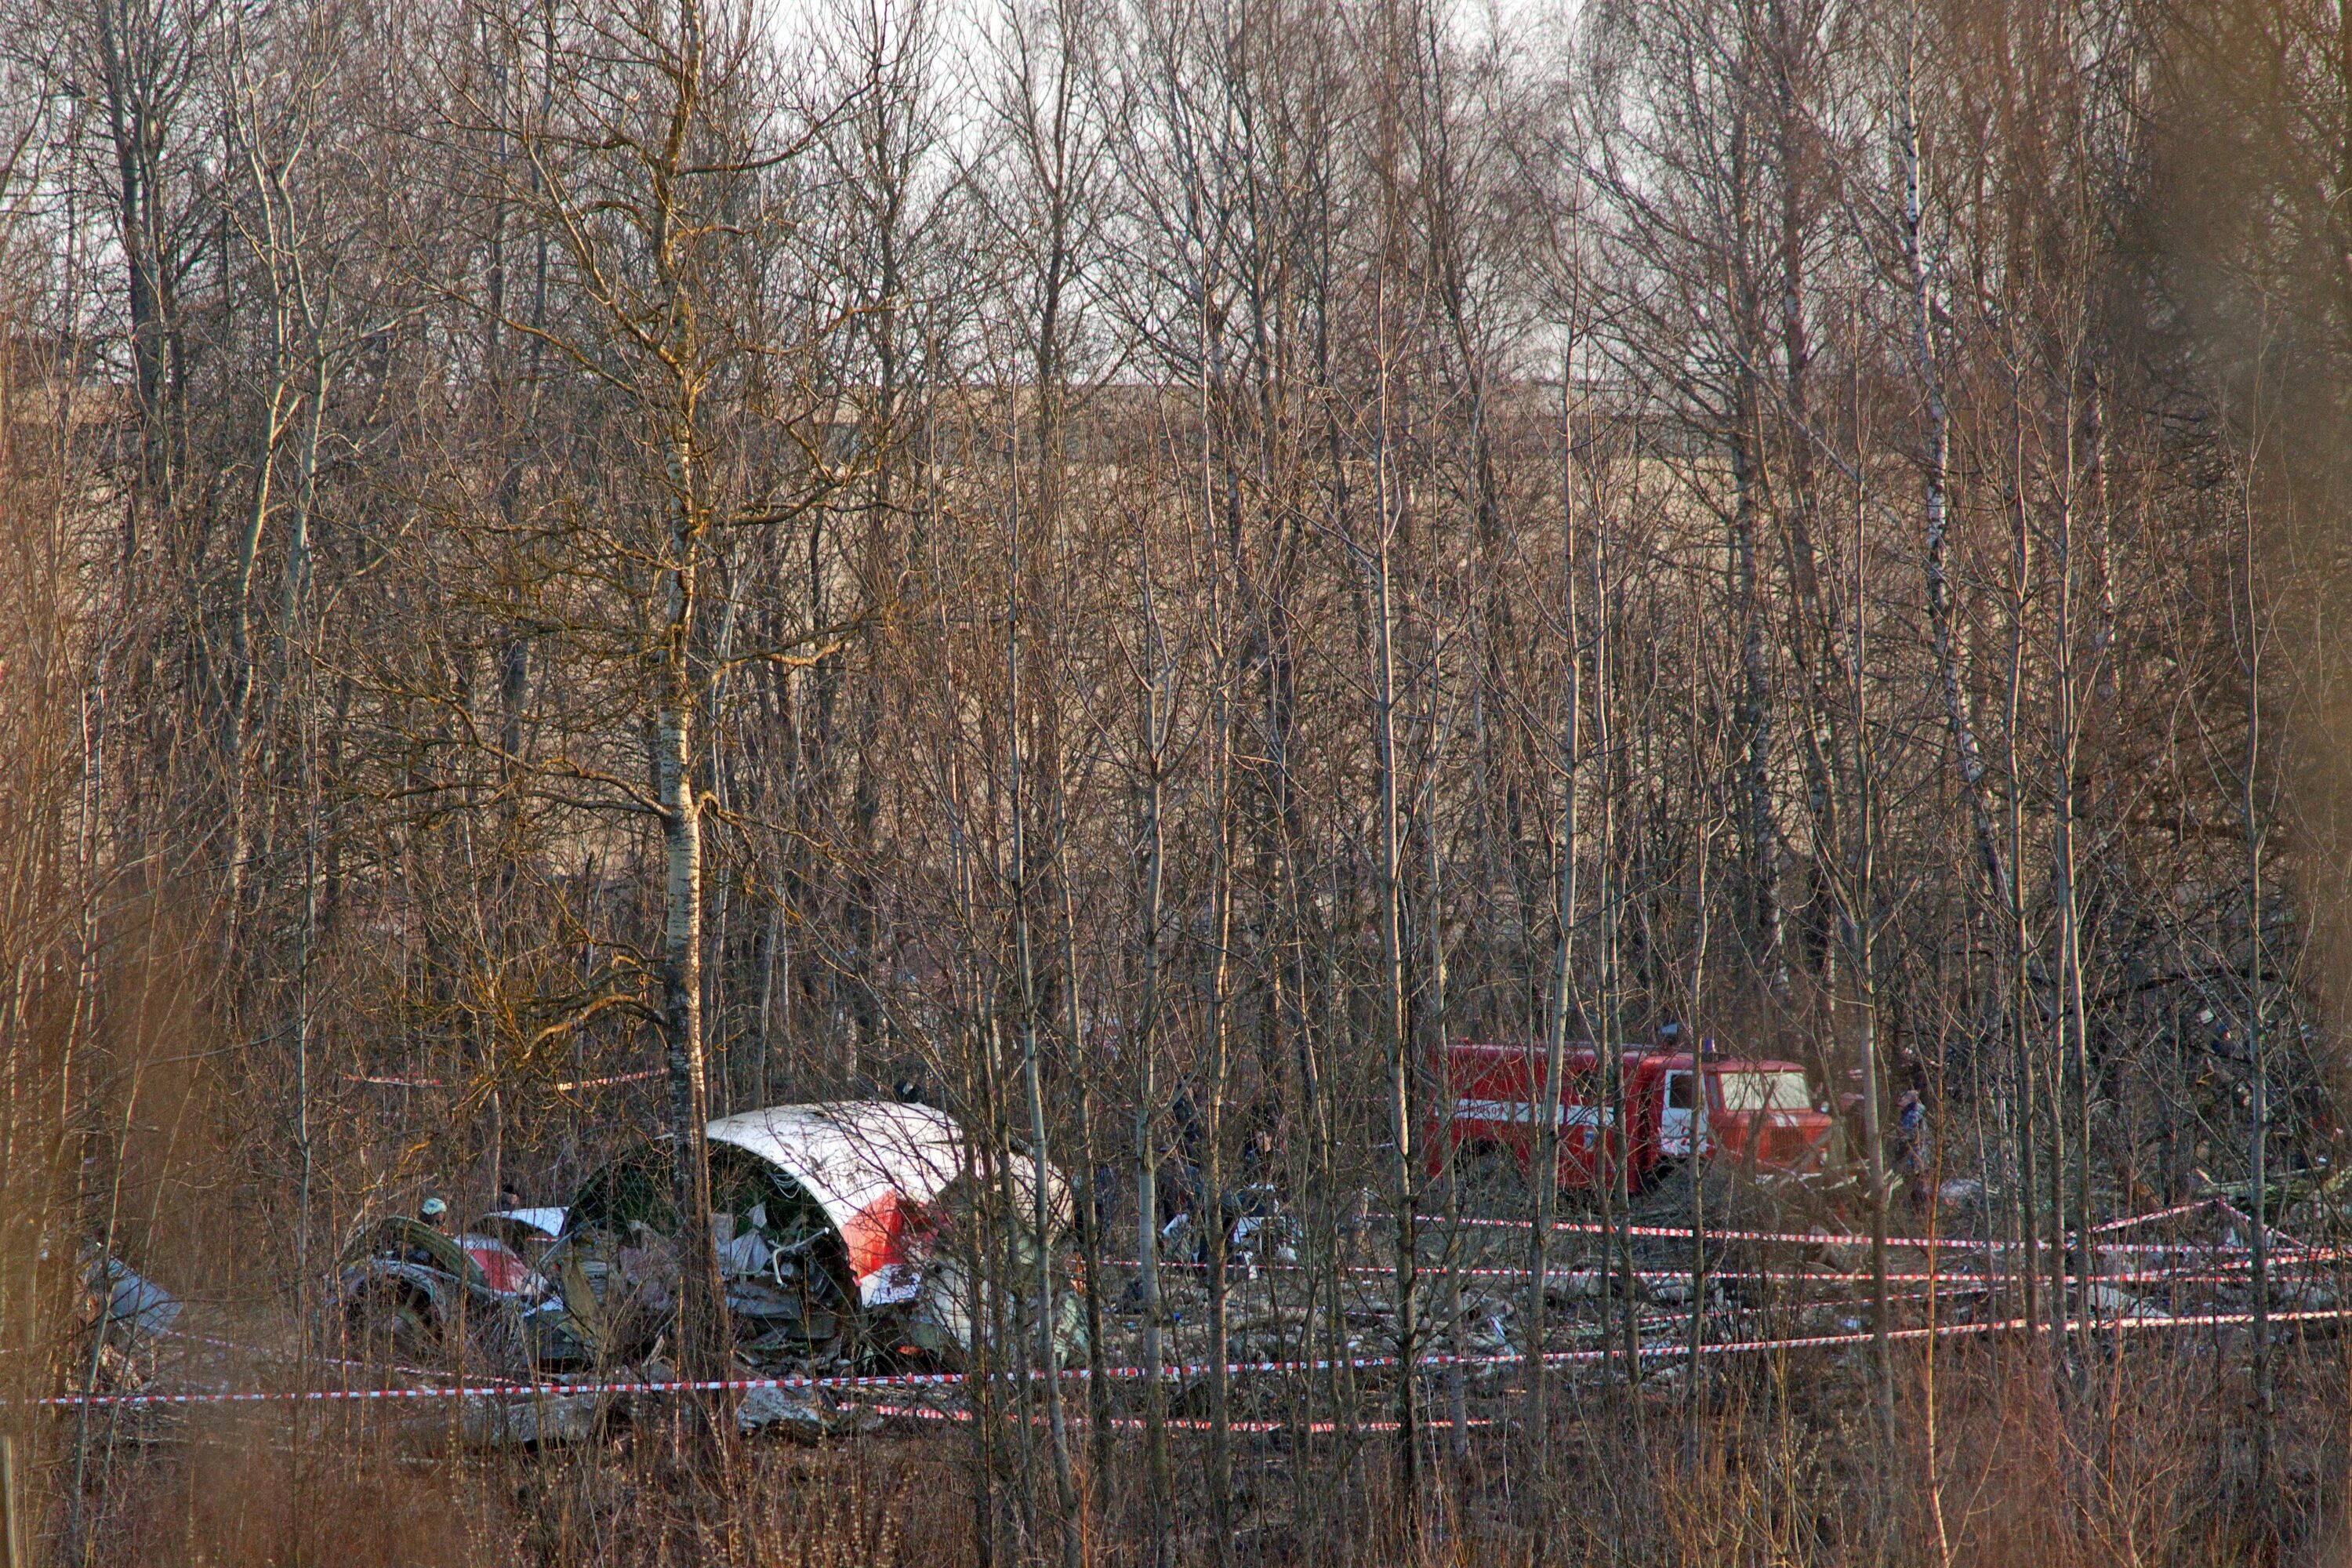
841, 1235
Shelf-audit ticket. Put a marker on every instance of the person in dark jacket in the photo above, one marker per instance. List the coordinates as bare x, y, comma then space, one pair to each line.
1911, 1153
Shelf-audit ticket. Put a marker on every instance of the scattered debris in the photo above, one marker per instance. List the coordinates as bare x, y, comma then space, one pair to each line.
790, 1414
1594, 1285
414, 1292
807, 1419
529, 1420
2104, 1300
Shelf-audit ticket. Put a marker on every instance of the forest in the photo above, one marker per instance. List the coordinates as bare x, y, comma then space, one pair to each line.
1140, 576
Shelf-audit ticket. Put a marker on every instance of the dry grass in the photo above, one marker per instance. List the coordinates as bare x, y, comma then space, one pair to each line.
2145, 1462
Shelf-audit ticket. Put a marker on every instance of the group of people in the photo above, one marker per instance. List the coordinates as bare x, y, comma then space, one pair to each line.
435, 1212
1246, 1199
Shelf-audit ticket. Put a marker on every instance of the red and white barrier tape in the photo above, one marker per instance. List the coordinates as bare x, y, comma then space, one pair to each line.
2175, 1212
565, 1085
947, 1379
1175, 1424
2277, 1238
298, 1358
2287, 1266
1830, 1238
1682, 1233
572, 1084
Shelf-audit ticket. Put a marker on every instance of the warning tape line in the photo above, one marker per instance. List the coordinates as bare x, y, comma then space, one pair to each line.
2277, 1238
1831, 1239
1683, 1232
2152, 1216
1125, 1373
601, 1082
298, 1358
2284, 1267
565, 1085
1175, 1424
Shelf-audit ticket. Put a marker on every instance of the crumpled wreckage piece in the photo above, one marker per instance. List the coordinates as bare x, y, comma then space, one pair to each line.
836, 1228
134, 1306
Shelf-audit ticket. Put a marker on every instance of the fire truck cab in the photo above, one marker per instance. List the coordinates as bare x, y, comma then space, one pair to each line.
1672, 1103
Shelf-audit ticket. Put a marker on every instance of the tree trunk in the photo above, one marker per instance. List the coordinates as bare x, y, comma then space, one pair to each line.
1546, 1168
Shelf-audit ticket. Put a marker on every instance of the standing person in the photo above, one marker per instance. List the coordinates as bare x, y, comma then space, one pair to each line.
1105, 1204
1258, 1157
1911, 1146
1185, 1110
1181, 1167
1254, 1204
432, 1215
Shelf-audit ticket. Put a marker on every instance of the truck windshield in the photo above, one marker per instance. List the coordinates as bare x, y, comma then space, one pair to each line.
1765, 1092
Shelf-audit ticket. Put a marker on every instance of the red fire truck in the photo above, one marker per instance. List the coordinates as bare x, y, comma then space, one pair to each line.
1729, 1107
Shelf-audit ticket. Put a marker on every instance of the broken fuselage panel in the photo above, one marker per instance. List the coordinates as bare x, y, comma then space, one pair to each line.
832, 1225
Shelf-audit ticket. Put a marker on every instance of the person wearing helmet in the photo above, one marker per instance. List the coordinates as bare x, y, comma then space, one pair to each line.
434, 1213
